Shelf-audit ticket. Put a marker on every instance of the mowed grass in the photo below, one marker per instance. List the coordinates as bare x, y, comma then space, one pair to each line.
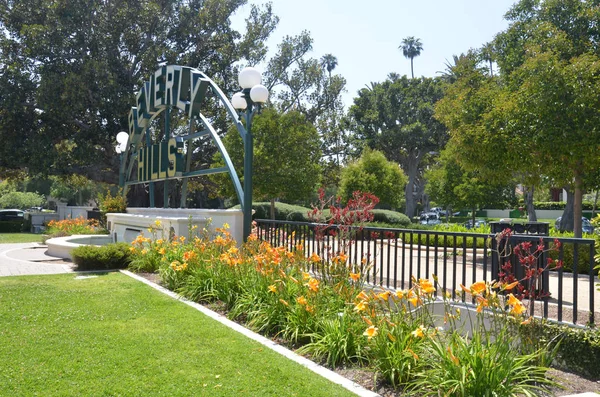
10, 238
114, 336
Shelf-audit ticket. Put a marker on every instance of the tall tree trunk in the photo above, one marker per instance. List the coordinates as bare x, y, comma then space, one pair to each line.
273, 209
412, 169
577, 205
566, 221
411, 68
531, 215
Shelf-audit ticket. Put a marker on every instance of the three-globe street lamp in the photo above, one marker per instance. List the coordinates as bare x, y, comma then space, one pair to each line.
121, 148
253, 94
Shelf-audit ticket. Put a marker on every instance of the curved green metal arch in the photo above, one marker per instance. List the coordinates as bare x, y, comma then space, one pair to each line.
138, 133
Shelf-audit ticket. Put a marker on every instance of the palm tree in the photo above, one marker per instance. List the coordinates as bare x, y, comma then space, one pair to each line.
411, 48
329, 62
487, 53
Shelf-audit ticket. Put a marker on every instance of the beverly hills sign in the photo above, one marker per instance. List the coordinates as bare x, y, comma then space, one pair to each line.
169, 88
153, 153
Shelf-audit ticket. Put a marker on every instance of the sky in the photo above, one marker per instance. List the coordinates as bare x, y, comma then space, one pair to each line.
365, 35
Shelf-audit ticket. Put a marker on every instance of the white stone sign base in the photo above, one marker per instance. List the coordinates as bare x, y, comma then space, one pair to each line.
173, 221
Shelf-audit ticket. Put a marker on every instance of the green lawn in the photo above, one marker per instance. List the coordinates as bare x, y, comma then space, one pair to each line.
6, 238
114, 336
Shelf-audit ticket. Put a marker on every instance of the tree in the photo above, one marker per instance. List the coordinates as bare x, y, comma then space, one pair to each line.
21, 200
476, 109
396, 117
452, 186
286, 157
373, 173
551, 62
411, 48
329, 62
70, 71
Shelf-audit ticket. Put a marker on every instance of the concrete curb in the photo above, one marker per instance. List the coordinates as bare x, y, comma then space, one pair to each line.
324, 372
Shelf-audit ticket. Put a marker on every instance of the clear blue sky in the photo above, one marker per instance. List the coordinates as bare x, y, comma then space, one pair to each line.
365, 35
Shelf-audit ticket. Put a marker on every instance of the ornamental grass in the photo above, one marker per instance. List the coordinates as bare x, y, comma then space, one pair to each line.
338, 320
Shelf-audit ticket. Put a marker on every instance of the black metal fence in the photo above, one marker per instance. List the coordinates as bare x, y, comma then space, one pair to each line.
390, 258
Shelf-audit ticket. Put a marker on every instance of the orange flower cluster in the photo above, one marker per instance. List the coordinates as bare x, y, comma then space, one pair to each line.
177, 266
74, 226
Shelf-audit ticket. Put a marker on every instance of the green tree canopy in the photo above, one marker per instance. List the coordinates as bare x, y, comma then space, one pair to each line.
70, 71
541, 117
373, 173
396, 117
452, 186
286, 157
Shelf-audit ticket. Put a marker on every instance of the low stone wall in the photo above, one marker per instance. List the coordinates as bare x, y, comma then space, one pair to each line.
173, 221
61, 247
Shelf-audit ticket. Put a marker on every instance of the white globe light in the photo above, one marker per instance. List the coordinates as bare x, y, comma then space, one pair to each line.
259, 94
238, 101
249, 77
118, 149
122, 137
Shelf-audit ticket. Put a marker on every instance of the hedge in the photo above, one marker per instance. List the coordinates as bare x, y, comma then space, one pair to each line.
560, 205
111, 256
578, 349
11, 226
391, 217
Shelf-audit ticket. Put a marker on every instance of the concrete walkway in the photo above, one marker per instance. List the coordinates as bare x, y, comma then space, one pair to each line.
30, 259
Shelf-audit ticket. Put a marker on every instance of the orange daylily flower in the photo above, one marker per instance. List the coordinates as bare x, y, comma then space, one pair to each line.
418, 333
478, 288
362, 296
301, 300
360, 306
426, 286
371, 332
512, 300
355, 276
314, 258
313, 284
510, 286
384, 295
273, 288
518, 309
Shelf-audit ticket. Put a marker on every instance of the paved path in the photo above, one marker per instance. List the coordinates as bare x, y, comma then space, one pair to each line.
29, 259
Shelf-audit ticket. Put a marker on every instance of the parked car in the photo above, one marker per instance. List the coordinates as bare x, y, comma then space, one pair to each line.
586, 225
439, 211
12, 215
430, 218
478, 222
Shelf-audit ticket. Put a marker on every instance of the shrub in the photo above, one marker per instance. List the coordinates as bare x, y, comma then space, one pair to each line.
578, 351
11, 226
21, 200
262, 210
111, 256
391, 217
560, 205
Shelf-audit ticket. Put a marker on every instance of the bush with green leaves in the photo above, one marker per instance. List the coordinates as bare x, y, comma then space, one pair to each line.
391, 217
20, 200
11, 226
106, 257
373, 173
578, 348
283, 211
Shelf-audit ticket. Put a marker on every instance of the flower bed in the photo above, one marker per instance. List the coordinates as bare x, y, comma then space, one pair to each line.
327, 311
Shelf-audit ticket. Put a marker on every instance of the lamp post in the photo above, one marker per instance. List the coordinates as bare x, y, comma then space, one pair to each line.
121, 148
248, 102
